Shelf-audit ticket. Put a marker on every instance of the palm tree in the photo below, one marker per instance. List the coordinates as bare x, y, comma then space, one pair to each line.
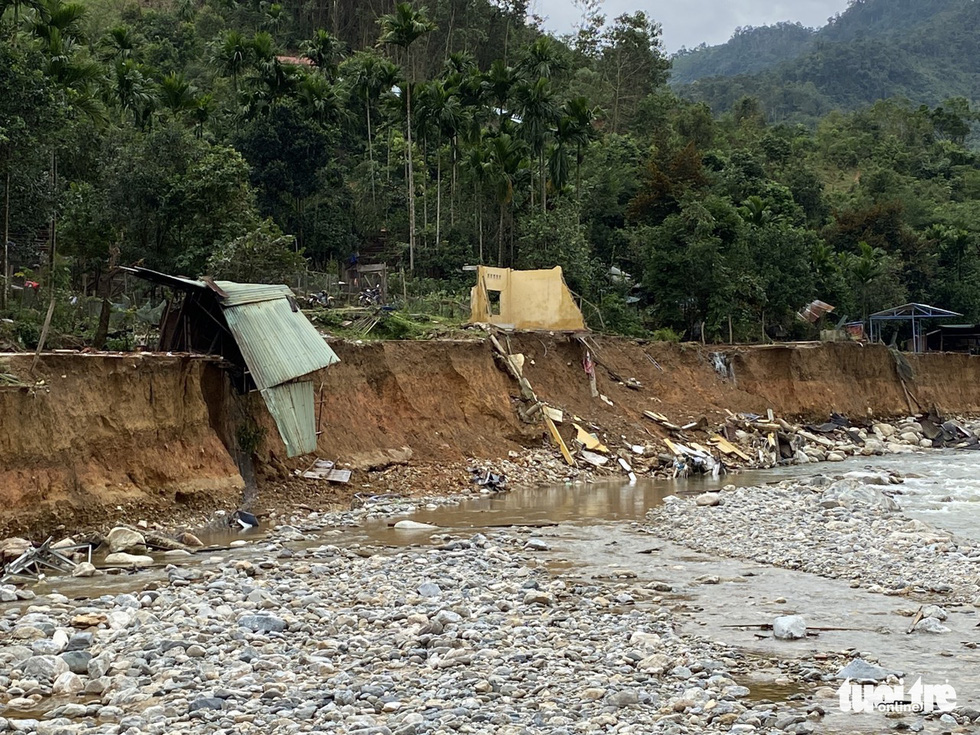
477, 161
506, 164
543, 58
373, 76
324, 51
202, 112
134, 90
536, 105
177, 95
319, 97
403, 28
233, 56
500, 80
442, 112
119, 43
581, 118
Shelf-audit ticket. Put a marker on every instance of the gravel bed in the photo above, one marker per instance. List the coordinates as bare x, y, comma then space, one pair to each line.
849, 528
468, 635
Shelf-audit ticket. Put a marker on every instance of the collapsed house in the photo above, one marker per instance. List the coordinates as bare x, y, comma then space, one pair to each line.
260, 330
512, 299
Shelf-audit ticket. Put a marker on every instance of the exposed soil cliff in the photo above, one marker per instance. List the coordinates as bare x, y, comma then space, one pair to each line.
152, 433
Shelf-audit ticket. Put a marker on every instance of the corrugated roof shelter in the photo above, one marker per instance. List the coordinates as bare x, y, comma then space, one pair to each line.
261, 330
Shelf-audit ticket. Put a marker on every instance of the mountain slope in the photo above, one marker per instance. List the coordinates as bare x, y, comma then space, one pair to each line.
922, 50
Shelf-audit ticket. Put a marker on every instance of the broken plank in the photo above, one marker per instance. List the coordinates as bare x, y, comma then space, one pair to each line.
815, 439
589, 441
728, 448
559, 441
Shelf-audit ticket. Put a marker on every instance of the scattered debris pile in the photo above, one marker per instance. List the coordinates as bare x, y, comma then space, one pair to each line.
34, 562
488, 480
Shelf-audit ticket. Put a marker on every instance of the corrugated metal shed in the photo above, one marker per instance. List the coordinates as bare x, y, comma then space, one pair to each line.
277, 344
291, 406
277, 341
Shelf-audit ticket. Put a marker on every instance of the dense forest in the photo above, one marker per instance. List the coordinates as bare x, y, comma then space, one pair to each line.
252, 140
921, 50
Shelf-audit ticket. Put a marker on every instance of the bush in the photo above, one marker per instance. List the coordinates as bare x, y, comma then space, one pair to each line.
666, 334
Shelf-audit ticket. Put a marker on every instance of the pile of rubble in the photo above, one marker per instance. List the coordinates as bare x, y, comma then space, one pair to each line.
761, 442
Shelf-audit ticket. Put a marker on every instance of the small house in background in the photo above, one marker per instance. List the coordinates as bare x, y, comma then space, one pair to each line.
532, 300
915, 314
955, 338
260, 329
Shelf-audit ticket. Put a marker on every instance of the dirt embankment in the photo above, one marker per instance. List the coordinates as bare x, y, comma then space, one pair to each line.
101, 431
155, 433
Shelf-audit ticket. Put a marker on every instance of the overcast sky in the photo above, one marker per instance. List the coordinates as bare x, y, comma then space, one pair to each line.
691, 22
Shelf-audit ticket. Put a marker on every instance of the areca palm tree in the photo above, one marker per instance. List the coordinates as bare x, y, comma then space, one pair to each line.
506, 164
176, 95
119, 43
543, 58
442, 112
319, 97
403, 28
536, 105
134, 91
324, 51
372, 76
233, 55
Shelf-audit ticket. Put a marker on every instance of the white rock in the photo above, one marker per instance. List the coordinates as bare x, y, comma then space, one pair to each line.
406, 525
128, 560
708, 499
67, 683
124, 539
931, 625
84, 569
789, 627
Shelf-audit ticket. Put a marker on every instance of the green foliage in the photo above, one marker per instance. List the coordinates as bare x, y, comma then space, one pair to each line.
264, 255
665, 334
254, 140
918, 50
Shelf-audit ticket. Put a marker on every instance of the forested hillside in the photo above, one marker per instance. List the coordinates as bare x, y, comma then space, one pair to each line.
252, 140
921, 50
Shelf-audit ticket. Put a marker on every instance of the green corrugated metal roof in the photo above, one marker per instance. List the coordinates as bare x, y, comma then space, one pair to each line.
291, 406
250, 293
278, 343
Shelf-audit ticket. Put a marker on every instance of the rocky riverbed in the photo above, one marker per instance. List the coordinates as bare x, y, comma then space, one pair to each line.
320, 627
463, 634
851, 527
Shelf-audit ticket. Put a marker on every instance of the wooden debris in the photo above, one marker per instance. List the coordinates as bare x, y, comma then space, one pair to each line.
915, 620
589, 441
662, 420
726, 447
559, 441
555, 414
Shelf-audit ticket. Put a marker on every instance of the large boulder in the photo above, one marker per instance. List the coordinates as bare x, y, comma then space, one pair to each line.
11, 548
125, 540
44, 668
789, 627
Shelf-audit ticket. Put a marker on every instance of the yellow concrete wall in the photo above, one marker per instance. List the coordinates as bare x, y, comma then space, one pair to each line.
536, 299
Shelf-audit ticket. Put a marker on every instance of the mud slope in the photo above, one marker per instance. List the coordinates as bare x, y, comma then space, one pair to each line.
151, 432
104, 431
